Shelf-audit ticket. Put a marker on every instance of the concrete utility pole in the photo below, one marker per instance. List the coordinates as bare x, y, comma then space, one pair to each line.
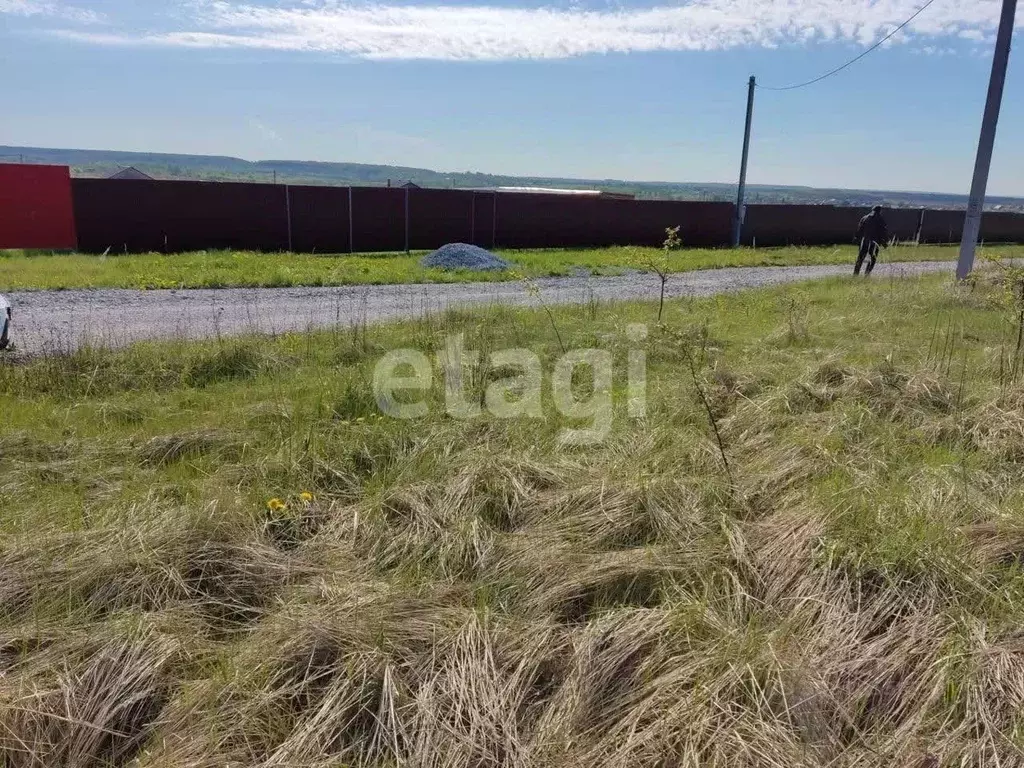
972, 223
737, 225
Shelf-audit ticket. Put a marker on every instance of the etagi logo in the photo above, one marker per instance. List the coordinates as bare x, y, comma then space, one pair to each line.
402, 373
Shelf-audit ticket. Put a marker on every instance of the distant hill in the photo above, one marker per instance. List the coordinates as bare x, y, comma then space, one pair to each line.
93, 163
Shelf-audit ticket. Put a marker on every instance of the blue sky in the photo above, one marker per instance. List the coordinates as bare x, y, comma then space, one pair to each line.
650, 90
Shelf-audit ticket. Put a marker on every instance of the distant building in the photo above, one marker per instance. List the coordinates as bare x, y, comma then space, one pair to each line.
570, 192
132, 174
410, 185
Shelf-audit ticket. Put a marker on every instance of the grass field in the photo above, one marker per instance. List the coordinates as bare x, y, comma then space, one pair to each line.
833, 580
221, 269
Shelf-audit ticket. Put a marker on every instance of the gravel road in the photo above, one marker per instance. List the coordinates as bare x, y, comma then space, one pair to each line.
62, 320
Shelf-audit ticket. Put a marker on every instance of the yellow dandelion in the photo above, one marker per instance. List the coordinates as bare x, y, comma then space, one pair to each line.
276, 505
306, 497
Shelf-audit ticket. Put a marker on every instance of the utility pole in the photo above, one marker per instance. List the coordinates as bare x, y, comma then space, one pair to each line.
972, 222
737, 225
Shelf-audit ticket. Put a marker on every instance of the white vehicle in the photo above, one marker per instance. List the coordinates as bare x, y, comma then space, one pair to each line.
5, 323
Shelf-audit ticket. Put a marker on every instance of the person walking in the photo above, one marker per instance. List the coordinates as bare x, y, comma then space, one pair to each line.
5, 323
873, 234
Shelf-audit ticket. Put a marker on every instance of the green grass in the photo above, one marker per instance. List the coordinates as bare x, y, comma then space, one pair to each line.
838, 582
221, 269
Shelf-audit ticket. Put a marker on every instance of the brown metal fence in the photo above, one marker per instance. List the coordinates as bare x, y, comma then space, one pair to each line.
173, 216
946, 227
553, 221
319, 219
139, 216
774, 225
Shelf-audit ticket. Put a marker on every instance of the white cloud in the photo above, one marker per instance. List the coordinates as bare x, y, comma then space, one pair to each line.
499, 32
19, 7
52, 8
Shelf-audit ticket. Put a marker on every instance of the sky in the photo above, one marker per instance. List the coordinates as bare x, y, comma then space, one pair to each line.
624, 89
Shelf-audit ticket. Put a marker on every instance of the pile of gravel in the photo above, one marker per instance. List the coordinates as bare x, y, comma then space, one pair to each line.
462, 256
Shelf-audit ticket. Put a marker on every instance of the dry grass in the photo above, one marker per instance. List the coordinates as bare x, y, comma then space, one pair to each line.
471, 595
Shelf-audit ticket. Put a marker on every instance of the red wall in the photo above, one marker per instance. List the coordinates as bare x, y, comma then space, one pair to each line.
35, 207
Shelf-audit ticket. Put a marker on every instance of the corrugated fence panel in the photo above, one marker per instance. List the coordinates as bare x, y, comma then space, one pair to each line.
173, 216
903, 222
773, 225
998, 227
564, 221
35, 207
942, 226
378, 216
484, 206
319, 219
702, 224
543, 221
770, 225
440, 216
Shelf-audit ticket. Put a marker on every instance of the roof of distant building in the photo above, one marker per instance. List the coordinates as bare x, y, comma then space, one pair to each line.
569, 192
131, 173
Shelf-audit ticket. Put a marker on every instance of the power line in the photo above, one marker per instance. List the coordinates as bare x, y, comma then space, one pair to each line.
853, 60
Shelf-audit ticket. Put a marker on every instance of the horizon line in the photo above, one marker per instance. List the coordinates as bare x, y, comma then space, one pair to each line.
964, 195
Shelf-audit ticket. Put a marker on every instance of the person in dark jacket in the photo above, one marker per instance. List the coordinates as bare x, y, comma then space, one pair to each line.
5, 323
873, 234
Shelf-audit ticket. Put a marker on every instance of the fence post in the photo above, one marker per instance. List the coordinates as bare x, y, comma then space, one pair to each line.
494, 223
920, 228
407, 193
288, 213
351, 228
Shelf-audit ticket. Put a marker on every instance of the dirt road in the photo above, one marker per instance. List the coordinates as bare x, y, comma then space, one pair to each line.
62, 320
